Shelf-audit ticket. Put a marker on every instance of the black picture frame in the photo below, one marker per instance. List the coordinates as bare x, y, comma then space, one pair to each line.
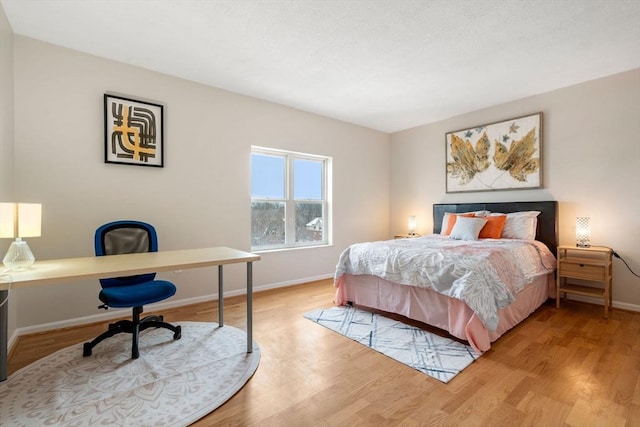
134, 132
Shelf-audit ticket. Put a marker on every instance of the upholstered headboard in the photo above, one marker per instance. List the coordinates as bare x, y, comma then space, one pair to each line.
547, 231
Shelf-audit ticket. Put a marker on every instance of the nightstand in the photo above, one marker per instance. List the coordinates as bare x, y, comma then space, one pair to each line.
406, 236
592, 264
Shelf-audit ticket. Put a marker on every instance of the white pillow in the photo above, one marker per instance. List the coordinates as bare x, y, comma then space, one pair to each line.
445, 218
467, 228
520, 225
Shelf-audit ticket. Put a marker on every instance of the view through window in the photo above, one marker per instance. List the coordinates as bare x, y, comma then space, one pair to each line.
289, 199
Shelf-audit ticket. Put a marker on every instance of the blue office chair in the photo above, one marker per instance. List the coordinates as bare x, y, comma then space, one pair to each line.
125, 237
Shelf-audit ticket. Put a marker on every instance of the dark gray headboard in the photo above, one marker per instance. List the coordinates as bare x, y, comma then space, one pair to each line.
547, 231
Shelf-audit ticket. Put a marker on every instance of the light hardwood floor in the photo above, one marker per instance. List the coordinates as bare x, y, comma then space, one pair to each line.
560, 367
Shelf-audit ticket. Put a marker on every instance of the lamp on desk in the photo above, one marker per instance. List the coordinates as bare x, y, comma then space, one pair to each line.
18, 220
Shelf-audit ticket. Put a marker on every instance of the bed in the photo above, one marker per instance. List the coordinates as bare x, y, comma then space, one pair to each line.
473, 307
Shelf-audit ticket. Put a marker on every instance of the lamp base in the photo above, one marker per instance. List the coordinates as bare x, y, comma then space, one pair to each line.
19, 256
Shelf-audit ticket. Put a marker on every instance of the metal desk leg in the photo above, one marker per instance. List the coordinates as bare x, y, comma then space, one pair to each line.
220, 297
4, 326
249, 307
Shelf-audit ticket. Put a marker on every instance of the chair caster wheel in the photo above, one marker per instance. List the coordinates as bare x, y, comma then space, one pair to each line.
178, 334
86, 350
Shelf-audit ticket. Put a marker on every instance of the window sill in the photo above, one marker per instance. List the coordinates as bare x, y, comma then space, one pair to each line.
290, 248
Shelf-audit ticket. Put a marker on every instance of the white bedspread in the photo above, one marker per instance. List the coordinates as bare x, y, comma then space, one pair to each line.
485, 274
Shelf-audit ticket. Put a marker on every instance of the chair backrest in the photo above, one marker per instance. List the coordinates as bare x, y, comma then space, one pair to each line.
125, 237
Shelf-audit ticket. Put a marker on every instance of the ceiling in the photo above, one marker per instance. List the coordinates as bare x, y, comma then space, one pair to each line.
385, 65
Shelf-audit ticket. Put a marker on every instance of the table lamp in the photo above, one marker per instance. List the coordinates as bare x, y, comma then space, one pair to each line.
583, 232
411, 225
18, 220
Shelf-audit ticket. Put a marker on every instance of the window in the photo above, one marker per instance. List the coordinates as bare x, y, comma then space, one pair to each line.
289, 199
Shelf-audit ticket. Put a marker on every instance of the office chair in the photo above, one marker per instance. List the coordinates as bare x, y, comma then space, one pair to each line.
125, 237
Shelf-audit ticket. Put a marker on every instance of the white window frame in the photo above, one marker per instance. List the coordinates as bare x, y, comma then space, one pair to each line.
290, 202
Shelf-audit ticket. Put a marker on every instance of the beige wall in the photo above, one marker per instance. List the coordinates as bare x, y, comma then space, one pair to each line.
591, 166
202, 195
6, 109
591, 138
6, 137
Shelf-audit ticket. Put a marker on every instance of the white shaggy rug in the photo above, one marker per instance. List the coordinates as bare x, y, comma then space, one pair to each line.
173, 383
439, 357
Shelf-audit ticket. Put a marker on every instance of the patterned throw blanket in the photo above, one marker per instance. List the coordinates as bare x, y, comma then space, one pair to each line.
485, 274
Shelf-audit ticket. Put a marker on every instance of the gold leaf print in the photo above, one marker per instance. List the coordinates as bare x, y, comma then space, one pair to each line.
518, 158
482, 152
467, 162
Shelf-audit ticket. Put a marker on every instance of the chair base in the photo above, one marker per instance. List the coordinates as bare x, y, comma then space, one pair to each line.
133, 327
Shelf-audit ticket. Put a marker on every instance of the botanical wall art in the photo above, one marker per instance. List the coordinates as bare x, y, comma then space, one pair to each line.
133, 132
499, 156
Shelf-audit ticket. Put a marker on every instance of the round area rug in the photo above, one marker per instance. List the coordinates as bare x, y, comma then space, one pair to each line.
173, 383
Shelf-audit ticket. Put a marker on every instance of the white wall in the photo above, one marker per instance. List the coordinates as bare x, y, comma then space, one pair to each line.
202, 195
591, 166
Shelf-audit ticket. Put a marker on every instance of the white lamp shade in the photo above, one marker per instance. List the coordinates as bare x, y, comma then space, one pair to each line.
411, 225
29, 219
20, 219
583, 232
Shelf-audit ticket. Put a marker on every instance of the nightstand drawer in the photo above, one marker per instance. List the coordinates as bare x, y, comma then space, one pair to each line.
583, 271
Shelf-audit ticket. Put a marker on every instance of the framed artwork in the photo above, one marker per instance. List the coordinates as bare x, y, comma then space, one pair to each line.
133, 132
505, 155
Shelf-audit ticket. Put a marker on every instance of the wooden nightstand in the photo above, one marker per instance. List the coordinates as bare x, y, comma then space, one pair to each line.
593, 264
406, 236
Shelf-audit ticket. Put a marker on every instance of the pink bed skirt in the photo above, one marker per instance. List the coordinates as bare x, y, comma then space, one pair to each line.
452, 315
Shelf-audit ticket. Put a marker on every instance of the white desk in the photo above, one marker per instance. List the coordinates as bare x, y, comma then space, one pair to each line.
55, 271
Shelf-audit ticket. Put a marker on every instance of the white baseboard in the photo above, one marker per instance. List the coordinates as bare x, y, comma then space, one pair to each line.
599, 301
114, 313
11, 341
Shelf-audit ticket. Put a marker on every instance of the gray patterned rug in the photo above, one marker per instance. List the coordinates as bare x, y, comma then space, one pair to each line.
439, 357
173, 383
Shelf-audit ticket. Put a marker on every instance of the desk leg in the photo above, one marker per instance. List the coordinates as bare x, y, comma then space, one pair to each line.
249, 307
4, 330
220, 297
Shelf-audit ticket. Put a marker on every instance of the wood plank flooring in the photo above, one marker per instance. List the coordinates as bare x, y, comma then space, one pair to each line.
560, 367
